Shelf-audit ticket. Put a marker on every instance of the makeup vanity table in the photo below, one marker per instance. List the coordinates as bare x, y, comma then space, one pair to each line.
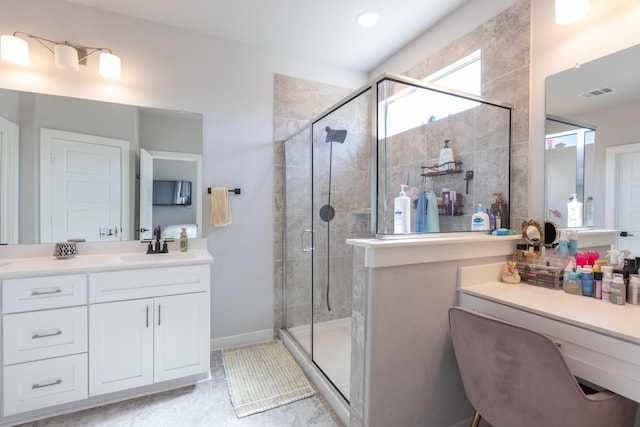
599, 340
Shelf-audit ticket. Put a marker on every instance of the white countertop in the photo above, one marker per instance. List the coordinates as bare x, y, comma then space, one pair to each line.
620, 321
35, 266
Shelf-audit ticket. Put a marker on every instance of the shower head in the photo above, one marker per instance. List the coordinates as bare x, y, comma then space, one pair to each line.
335, 135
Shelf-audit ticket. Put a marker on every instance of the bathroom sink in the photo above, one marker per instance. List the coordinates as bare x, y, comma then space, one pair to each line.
154, 257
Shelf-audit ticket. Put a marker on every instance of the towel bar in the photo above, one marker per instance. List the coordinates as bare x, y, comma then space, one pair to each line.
233, 190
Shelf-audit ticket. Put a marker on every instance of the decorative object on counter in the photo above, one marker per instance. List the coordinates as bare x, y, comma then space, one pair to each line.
532, 232
445, 161
501, 210
551, 234
510, 273
220, 207
65, 250
184, 240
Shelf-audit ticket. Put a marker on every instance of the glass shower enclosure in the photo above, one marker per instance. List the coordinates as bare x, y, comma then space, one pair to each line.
327, 201
342, 172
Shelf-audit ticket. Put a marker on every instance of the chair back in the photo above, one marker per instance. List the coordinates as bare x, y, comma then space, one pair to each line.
514, 376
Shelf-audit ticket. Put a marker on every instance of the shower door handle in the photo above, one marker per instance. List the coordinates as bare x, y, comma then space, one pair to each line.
313, 240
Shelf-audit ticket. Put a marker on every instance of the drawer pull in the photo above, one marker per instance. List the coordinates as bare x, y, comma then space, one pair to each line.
147, 316
36, 293
159, 314
56, 382
36, 336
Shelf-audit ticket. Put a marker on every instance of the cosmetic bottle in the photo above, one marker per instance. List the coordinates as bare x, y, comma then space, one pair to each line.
618, 290
492, 219
607, 279
433, 216
573, 286
597, 285
633, 289
586, 280
401, 213
563, 245
573, 243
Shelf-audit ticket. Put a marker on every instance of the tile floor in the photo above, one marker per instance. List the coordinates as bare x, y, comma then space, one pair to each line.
205, 404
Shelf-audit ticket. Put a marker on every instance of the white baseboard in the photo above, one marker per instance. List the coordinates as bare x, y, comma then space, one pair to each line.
242, 339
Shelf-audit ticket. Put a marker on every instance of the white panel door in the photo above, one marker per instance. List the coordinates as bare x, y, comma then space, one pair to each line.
628, 207
9, 137
181, 336
146, 194
120, 345
81, 187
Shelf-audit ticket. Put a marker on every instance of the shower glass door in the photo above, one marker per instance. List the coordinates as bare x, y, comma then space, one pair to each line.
298, 238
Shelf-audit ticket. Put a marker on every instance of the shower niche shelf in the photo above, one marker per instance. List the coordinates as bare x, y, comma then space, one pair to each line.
451, 168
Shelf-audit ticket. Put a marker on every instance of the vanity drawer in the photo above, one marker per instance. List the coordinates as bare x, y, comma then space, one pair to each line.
35, 385
37, 293
132, 284
44, 334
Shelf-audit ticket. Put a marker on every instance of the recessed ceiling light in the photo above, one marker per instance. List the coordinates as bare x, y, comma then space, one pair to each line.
367, 19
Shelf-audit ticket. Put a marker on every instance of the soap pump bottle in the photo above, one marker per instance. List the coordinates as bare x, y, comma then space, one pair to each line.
446, 162
479, 220
184, 240
574, 212
401, 212
501, 209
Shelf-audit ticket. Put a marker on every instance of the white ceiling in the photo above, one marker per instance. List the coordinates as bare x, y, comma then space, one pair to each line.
323, 31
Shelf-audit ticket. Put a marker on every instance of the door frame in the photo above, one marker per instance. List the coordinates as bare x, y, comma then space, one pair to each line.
611, 182
46, 136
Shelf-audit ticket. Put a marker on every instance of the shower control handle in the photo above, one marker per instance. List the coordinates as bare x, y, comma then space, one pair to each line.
313, 240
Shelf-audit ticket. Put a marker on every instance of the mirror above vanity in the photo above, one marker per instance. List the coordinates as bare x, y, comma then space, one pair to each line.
74, 168
589, 109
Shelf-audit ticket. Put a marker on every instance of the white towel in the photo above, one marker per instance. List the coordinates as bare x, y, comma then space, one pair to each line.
220, 207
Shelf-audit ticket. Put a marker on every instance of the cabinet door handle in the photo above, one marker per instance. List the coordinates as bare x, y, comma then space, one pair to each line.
159, 311
147, 316
36, 336
55, 291
56, 382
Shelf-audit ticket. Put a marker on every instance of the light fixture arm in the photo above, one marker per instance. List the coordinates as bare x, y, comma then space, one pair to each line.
83, 51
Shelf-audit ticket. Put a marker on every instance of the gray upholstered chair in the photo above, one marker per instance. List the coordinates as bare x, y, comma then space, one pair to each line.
514, 376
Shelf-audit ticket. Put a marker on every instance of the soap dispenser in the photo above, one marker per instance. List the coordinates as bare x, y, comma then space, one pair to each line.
574, 212
501, 209
445, 162
184, 240
401, 212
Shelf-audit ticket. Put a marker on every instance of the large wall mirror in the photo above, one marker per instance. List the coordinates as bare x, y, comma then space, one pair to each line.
589, 108
71, 170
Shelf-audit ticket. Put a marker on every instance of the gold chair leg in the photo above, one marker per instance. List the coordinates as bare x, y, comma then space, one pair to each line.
475, 422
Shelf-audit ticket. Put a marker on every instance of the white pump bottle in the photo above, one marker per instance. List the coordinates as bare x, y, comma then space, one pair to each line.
402, 212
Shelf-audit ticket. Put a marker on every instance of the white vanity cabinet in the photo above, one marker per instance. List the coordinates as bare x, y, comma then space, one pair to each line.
141, 341
100, 328
44, 341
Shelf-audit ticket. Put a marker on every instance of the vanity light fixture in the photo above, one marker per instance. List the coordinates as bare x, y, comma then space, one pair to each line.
67, 56
568, 11
367, 19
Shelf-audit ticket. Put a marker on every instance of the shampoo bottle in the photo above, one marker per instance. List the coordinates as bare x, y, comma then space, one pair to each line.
479, 220
184, 241
574, 212
401, 212
445, 162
